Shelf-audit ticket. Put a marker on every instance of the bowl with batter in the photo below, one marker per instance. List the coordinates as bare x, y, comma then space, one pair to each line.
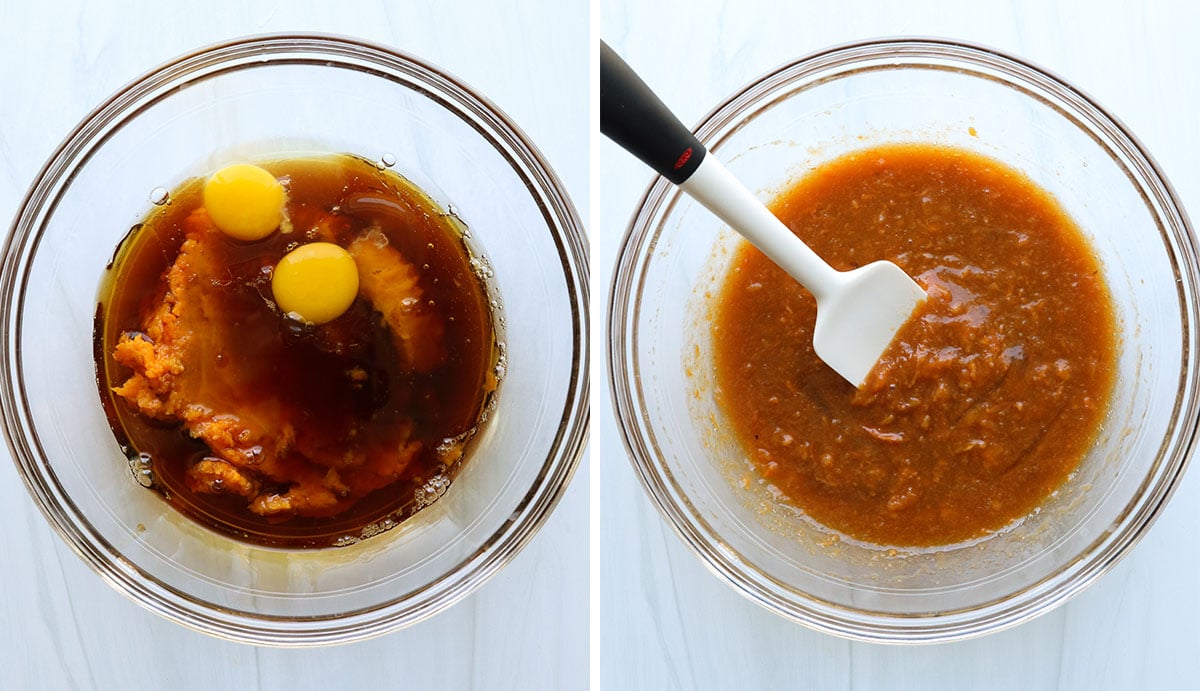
256, 459
1026, 426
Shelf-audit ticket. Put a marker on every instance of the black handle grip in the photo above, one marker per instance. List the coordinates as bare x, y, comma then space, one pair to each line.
632, 116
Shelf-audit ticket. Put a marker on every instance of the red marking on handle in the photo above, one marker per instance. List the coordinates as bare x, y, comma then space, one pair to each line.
683, 158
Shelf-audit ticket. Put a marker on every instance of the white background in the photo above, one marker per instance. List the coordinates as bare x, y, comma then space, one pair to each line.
667, 623
61, 627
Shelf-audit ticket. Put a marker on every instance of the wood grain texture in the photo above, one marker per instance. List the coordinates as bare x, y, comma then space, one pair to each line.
666, 622
61, 627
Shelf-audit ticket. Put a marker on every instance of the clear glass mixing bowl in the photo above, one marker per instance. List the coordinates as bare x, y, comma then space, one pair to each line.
781, 126
266, 97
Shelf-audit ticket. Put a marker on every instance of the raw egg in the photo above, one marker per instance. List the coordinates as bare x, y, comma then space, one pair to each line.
244, 201
315, 283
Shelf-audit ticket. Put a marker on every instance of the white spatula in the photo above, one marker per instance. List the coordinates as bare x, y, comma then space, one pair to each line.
858, 311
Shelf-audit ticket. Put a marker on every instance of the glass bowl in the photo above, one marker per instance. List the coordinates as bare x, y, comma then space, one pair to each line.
783, 125
266, 97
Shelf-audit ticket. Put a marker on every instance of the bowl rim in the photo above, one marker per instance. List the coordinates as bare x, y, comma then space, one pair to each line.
674, 505
38, 206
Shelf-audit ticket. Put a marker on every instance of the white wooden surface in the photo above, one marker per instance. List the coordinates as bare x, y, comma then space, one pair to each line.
61, 627
666, 622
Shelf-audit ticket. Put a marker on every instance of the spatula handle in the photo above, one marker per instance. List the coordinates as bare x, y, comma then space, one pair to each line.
632, 116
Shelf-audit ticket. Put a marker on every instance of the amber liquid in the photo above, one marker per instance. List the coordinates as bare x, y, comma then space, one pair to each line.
304, 367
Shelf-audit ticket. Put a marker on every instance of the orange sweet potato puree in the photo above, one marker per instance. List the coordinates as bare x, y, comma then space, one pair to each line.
989, 396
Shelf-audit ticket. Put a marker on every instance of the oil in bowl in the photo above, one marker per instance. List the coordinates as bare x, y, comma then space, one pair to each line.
248, 576
261, 422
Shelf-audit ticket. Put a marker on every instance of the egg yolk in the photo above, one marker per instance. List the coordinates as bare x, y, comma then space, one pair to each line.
315, 283
244, 201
